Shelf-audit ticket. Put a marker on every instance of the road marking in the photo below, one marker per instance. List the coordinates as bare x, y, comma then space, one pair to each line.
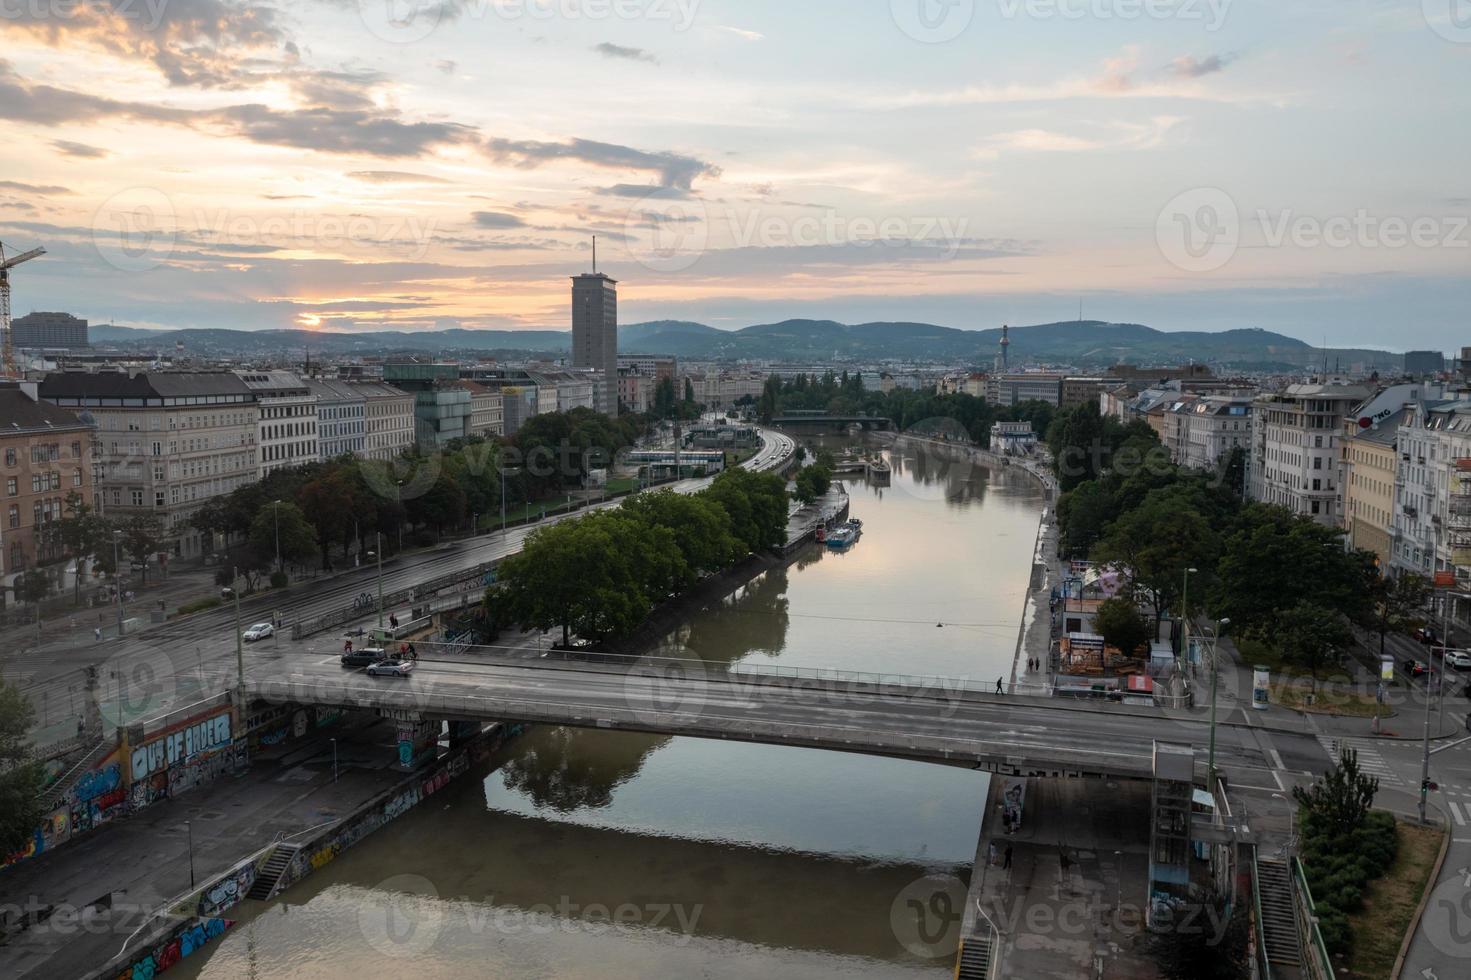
1276, 758
1450, 745
1456, 812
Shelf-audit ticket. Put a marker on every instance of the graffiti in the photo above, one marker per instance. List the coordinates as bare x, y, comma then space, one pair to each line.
320, 859
149, 791
180, 746
274, 738
97, 782
400, 804
227, 891
436, 782
168, 954
298, 724
186, 777
328, 716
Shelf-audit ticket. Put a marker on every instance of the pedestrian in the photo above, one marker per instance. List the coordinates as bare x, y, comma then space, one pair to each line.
393, 620
347, 646
1006, 858
998, 686
991, 854
81, 728
97, 633
413, 654
403, 651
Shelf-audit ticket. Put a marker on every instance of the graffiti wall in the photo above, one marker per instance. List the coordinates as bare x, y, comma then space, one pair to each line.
281, 724
177, 945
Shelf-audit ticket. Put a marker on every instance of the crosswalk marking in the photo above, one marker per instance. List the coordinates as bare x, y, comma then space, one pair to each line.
1456, 812
1370, 761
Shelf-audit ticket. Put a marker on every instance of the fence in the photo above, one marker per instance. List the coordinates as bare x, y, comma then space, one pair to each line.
1315, 960
318, 624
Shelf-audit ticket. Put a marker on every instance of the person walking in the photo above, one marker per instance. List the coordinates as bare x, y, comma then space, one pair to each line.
413, 654
97, 633
998, 686
1006, 858
991, 854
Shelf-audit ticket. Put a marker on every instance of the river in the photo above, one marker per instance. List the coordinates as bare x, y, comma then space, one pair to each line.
582, 853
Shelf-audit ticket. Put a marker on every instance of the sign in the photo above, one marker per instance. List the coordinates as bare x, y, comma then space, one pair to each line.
1261, 692
1386, 669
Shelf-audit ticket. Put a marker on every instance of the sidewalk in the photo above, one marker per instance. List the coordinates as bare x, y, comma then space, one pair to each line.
104, 885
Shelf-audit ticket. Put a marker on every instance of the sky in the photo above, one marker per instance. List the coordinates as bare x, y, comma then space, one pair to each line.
420, 164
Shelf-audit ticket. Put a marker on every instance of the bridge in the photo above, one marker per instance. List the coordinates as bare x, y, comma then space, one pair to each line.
867, 422
935, 719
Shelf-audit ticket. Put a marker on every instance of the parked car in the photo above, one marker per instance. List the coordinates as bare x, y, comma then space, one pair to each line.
1459, 659
1416, 668
1426, 635
258, 632
391, 668
366, 657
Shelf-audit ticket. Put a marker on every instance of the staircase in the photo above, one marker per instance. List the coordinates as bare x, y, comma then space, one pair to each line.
53, 796
271, 872
1279, 917
975, 960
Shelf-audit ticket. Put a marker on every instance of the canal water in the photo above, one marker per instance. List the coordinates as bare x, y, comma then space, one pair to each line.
582, 853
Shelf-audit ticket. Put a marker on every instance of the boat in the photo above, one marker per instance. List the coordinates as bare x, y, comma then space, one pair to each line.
821, 535
842, 536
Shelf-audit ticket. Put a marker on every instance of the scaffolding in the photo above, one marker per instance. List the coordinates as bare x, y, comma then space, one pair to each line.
1458, 523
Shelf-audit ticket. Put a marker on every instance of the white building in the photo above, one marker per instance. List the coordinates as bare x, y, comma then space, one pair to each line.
388, 420
724, 389
1202, 432
1013, 438
1296, 448
341, 418
288, 419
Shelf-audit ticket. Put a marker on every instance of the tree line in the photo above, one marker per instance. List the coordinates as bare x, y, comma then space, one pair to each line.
600, 575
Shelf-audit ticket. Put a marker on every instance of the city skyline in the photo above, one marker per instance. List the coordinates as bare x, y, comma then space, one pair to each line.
198, 164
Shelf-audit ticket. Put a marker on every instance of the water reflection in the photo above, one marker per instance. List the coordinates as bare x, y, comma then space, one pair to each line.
567, 769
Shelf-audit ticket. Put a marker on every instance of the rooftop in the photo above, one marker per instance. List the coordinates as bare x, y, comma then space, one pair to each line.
21, 414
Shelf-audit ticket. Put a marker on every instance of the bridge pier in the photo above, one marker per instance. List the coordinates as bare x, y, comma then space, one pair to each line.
461, 731
416, 742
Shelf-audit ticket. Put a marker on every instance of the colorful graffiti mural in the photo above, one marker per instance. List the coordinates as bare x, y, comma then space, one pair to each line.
227, 891
191, 937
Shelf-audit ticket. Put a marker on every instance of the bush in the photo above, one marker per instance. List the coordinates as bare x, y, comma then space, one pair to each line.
279, 580
199, 605
1339, 867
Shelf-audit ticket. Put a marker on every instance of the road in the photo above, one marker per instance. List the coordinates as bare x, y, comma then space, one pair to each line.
176, 663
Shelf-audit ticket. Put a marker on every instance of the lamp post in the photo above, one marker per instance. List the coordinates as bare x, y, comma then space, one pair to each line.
239, 644
334, 760
1215, 675
189, 829
276, 517
117, 579
379, 554
1185, 612
1445, 600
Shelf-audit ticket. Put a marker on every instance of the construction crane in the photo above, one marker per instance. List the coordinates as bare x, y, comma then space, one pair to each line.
11, 370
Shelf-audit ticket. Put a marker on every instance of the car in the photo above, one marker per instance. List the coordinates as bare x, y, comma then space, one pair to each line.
391, 668
1459, 659
258, 632
1426, 635
1415, 668
366, 657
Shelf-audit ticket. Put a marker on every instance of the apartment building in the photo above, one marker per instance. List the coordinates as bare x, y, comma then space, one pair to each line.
388, 420
635, 389
287, 419
655, 366
1371, 463
1078, 391
166, 442
341, 418
45, 455
724, 389
487, 410
1011, 389
1201, 433
1296, 448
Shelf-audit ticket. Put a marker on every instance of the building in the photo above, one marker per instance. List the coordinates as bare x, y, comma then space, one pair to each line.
1013, 438
1201, 433
487, 413
635, 389
166, 442
1296, 448
287, 418
717, 390
563, 391
518, 403
388, 420
655, 366
45, 455
48, 331
441, 408
1078, 391
595, 333
1371, 462
1146, 376
1012, 389
341, 418
1424, 362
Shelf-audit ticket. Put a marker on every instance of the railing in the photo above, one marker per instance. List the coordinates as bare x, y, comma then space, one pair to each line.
317, 624
1263, 967
1316, 962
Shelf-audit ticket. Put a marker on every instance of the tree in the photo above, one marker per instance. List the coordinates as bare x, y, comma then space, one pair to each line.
701, 528
442, 504
812, 482
20, 777
664, 398
689, 392
79, 533
1155, 543
1396, 603
1121, 625
1338, 802
1311, 636
142, 538
32, 587
283, 530
756, 504
330, 505
1201, 943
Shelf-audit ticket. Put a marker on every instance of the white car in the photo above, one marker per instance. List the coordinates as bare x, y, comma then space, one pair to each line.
390, 668
258, 632
1459, 659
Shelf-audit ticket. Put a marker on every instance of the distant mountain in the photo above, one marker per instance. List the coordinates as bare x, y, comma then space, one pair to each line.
1084, 344
106, 332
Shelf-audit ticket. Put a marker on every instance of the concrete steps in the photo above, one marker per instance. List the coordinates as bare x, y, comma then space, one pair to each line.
1279, 916
975, 960
270, 873
53, 796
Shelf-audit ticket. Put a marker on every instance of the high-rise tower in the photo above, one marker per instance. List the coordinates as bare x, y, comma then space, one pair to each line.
595, 331
1005, 343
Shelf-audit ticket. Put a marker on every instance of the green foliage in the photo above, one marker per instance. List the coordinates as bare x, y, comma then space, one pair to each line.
812, 482
20, 777
1122, 625
1395, 603
279, 580
1154, 544
79, 534
1339, 864
1338, 802
1201, 943
32, 586
199, 605
283, 529
756, 504
142, 539
1311, 636
701, 528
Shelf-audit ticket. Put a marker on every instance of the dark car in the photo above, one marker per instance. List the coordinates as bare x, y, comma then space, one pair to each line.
1426, 635
1415, 668
366, 657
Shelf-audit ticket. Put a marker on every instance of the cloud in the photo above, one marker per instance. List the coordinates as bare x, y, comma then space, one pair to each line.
39, 189
497, 219
446, 66
609, 50
1188, 66
673, 169
68, 148
741, 32
1118, 135
394, 177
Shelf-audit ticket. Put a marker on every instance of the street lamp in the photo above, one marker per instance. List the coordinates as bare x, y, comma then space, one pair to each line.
1445, 608
1185, 612
379, 555
1215, 675
276, 517
117, 573
334, 759
239, 643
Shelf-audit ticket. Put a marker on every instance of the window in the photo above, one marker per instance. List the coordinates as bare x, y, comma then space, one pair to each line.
10, 457
158, 498
12, 487
76, 450
137, 498
76, 478
55, 481
15, 515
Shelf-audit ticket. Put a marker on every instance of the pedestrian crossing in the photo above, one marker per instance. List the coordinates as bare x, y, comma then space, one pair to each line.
1370, 761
